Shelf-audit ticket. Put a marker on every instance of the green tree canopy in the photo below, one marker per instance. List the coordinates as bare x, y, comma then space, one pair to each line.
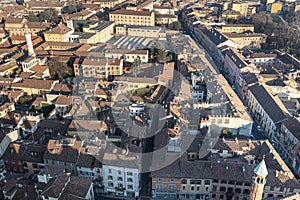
136, 66
49, 15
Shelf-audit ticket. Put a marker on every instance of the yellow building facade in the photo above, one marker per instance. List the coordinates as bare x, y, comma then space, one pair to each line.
131, 17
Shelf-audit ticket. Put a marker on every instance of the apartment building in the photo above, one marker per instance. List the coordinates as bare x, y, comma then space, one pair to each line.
101, 67
289, 142
143, 55
212, 41
234, 66
94, 32
290, 64
262, 58
23, 158
221, 176
247, 40
121, 174
60, 33
63, 153
237, 28
165, 18
131, 17
105, 3
244, 8
266, 110
16, 26
34, 87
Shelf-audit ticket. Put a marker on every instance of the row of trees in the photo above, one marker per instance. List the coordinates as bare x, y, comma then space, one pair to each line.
70, 9
49, 15
283, 31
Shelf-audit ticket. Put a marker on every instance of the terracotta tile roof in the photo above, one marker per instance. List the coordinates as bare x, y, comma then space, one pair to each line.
34, 153
14, 151
55, 188
26, 192
60, 29
144, 52
13, 20
86, 161
87, 125
131, 12
59, 87
31, 83
28, 124
65, 150
64, 100
293, 125
77, 188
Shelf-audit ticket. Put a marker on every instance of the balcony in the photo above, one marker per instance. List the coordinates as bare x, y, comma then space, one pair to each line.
166, 191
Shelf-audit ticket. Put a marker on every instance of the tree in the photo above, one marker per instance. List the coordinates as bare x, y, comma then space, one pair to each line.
136, 66
58, 70
69, 9
24, 99
32, 18
175, 26
49, 15
162, 55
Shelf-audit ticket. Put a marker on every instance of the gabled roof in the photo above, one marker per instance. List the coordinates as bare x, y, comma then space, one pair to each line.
267, 103
261, 169
214, 35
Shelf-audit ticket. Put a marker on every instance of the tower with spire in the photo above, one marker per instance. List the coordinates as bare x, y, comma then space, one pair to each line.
29, 42
259, 181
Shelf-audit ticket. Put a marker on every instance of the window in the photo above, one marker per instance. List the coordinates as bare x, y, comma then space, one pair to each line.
198, 182
110, 185
281, 189
222, 189
238, 190
183, 187
207, 182
183, 181
223, 181
110, 178
129, 180
247, 184
221, 196
172, 186
109, 171
171, 180
246, 191
215, 181
231, 182
160, 186
192, 182
120, 179
192, 188
130, 187
239, 183
159, 180
129, 173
